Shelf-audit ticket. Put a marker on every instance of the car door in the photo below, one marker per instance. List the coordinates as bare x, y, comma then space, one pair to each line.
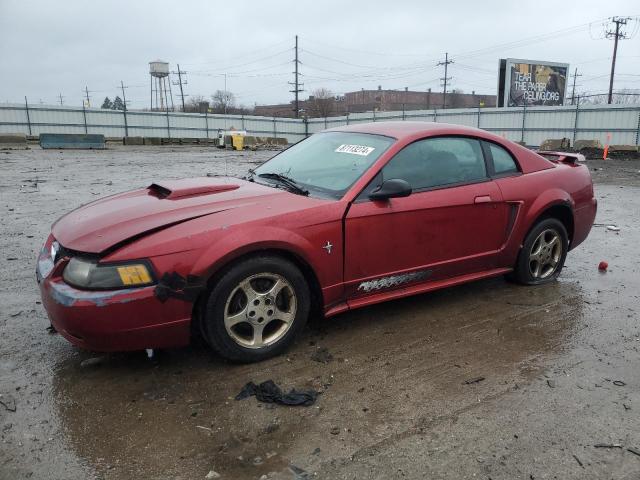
453, 223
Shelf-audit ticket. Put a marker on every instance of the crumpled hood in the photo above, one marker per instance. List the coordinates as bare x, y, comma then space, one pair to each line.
105, 223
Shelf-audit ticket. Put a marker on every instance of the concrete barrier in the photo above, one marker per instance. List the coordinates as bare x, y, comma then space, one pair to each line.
133, 141
582, 144
624, 151
623, 148
72, 140
152, 141
556, 144
13, 138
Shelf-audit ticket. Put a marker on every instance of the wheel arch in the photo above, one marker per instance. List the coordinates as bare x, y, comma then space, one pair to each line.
561, 211
552, 203
251, 251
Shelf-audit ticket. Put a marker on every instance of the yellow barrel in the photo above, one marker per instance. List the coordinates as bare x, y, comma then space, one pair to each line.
237, 142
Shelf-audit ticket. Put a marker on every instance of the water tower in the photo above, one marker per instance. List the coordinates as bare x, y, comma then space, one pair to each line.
160, 85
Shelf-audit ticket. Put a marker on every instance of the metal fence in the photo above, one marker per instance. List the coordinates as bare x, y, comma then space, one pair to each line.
613, 124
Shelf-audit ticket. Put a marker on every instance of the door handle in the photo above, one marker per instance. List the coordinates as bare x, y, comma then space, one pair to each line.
483, 199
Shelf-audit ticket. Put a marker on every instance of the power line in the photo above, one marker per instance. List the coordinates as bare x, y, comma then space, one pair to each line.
243, 55
525, 41
619, 21
228, 67
445, 79
385, 54
209, 73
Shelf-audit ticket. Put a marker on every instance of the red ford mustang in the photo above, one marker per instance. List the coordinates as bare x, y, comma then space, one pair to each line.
346, 218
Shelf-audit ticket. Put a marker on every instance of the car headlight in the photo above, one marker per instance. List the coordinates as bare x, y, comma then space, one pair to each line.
87, 273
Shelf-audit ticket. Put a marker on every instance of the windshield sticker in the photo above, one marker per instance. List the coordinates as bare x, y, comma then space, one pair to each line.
355, 149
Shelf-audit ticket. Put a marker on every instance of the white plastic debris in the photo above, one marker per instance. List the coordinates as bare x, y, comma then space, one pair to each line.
613, 228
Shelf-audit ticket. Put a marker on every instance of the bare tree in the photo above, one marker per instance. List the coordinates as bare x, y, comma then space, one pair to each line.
321, 103
223, 101
196, 103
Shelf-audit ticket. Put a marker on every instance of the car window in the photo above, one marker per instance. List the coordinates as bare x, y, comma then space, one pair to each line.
328, 163
438, 161
502, 161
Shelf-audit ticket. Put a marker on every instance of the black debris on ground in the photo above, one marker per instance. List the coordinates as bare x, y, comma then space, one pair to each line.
8, 402
474, 380
269, 392
322, 355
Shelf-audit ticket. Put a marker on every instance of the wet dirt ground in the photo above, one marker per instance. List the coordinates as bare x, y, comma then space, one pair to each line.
560, 363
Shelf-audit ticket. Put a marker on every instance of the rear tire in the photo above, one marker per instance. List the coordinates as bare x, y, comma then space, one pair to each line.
543, 253
256, 309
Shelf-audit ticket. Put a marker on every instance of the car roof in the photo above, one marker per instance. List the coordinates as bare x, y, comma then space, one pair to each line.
402, 130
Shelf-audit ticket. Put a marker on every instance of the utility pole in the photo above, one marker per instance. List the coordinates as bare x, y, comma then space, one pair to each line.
180, 83
124, 101
619, 21
226, 94
296, 83
86, 93
573, 90
60, 96
445, 79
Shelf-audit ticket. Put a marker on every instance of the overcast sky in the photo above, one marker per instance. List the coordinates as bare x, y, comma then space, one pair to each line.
49, 47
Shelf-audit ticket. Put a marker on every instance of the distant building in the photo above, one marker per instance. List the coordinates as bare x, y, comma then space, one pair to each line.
397, 100
382, 101
278, 110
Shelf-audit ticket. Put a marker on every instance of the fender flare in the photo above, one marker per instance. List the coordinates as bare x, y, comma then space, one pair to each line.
237, 244
549, 198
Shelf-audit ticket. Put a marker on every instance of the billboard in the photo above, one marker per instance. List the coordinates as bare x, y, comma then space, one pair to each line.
531, 82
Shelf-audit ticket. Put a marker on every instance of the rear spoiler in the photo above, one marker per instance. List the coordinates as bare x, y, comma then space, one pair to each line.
562, 157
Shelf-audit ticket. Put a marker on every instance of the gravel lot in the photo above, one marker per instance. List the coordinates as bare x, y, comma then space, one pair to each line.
560, 362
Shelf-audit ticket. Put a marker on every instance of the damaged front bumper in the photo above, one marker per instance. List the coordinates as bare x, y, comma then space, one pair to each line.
111, 320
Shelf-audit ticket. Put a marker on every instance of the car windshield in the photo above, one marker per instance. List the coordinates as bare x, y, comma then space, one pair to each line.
325, 164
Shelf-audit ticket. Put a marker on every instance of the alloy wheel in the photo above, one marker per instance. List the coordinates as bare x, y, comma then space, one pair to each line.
545, 254
260, 310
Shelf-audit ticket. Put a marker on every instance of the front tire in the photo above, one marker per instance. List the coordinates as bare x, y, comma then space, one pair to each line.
256, 309
543, 253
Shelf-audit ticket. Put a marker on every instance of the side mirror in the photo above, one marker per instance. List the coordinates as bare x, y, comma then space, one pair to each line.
392, 188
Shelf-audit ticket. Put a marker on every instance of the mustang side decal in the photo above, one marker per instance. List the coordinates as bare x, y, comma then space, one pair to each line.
393, 280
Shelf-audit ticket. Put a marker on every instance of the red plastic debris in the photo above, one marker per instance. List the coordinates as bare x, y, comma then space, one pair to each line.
602, 266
